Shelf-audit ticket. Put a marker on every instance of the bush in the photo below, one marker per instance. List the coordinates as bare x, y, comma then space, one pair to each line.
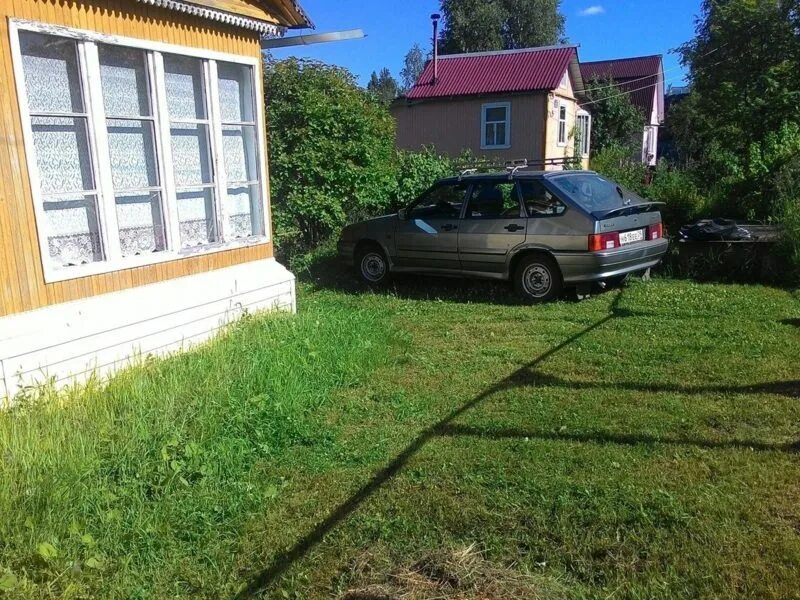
787, 210
675, 187
332, 155
331, 150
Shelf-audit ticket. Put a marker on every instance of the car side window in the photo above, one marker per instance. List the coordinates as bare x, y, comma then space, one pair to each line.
493, 200
539, 202
442, 201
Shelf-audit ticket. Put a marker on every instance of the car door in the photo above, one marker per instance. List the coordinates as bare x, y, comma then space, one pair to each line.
550, 224
493, 224
427, 238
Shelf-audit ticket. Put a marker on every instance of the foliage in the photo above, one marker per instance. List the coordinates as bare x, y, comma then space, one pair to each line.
743, 65
675, 187
146, 488
383, 86
615, 120
413, 65
477, 25
416, 421
787, 186
417, 171
331, 149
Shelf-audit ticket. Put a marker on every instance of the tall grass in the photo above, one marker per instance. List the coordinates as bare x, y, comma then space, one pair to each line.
148, 482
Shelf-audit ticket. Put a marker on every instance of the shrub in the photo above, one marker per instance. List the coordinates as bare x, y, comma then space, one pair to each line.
675, 187
331, 150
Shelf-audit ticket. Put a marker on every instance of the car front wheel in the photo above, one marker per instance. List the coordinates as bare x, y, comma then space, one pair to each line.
538, 279
372, 266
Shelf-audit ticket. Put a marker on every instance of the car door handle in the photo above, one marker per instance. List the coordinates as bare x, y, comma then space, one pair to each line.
514, 227
449, 227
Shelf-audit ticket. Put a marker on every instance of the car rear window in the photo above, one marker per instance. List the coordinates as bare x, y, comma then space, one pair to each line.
595, 194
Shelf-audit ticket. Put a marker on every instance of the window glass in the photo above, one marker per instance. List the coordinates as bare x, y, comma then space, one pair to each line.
236, 93
123, 76
441, 202
239, 149
493, 200
538, 201
183, 80
191, 150
62, 154
562, 125
495, 126
124, 79
52, 75
595, 194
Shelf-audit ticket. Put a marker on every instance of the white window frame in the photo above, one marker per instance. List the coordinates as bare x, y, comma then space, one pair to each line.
585, 137
562, 125
484, 109
88, 59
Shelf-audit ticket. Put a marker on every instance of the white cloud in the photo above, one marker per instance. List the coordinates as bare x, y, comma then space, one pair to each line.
591, 11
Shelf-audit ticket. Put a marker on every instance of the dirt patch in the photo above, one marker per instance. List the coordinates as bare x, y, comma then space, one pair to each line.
446, 575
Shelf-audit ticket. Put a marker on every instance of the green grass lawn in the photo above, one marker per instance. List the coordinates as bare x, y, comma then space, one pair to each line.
644, 443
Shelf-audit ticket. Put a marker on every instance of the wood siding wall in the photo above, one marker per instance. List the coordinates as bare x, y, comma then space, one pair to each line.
455, 125
22, 285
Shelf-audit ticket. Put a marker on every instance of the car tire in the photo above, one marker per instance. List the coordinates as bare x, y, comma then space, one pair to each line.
537, 279
372, 266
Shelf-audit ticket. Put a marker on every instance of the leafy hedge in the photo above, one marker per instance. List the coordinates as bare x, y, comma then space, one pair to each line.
332, 154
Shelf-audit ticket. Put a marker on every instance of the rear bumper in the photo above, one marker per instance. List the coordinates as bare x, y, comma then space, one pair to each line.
579, 267
346, 251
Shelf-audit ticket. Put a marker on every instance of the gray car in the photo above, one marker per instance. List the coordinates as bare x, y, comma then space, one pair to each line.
542, 230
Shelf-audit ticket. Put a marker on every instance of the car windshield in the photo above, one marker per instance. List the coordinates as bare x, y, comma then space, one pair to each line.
594, 193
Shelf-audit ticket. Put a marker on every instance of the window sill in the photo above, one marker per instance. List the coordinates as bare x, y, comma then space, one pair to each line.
503, 147
102, 268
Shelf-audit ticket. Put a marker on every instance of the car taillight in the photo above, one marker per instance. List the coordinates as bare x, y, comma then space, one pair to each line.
603, 241
655, 232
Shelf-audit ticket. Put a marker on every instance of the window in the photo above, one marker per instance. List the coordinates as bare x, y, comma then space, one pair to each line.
584, 132
597, 195
562, 125
59, 123
130, 131
496, 125
539, 202
138, 152
493, 200
442, 201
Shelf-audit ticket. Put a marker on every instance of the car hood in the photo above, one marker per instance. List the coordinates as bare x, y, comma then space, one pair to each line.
384, 223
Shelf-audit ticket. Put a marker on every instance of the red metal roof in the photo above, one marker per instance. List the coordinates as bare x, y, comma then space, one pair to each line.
636, 77
527, 70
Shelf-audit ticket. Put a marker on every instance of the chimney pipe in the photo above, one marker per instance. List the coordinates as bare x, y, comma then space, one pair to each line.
435, 18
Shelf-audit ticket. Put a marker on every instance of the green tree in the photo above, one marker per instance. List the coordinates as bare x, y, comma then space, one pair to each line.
383, 86
413, 65
481, 25
331, 150
743, 65
615, 121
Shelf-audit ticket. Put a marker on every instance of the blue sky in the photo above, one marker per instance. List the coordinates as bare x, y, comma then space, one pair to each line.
603, 28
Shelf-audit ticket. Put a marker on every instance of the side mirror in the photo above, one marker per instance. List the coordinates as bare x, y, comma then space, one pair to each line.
402, 214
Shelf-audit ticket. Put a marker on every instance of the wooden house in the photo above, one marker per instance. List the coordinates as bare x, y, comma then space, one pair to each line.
134, 189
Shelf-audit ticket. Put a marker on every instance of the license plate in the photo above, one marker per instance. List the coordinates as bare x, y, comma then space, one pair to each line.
628, 237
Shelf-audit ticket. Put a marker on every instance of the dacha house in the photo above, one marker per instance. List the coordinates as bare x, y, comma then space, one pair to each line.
134, 190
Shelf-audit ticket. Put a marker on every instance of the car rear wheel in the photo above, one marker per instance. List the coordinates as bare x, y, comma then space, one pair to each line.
372, 266
538, 279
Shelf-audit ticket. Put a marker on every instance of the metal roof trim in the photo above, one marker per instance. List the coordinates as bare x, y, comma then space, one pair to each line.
262, 27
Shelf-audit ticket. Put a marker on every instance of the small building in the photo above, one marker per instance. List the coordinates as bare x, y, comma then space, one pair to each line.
642, 78
501, 105
134, 190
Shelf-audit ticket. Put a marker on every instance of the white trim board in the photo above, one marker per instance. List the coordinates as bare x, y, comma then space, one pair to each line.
70, 342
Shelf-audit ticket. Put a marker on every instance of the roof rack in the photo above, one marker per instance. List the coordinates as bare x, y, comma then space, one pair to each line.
512, 166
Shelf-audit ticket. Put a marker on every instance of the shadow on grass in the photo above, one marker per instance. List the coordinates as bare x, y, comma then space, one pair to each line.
523, 377
328, 273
